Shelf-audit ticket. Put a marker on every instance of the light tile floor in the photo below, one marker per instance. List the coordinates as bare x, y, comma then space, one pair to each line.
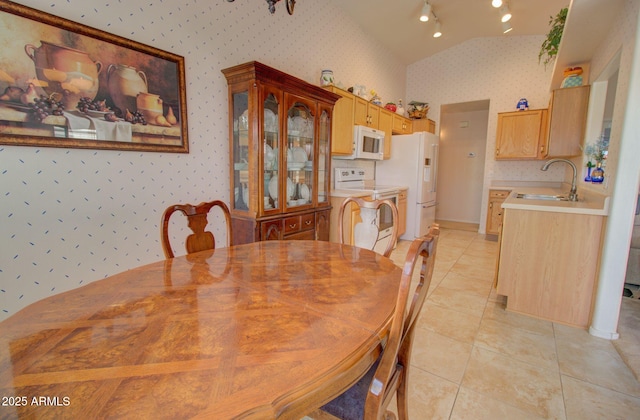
473, 360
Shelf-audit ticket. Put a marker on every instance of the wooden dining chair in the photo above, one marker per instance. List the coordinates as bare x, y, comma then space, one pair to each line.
200, 239
365, 233
369, 398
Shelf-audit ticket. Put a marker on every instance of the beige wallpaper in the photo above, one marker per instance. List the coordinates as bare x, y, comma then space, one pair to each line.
70, 216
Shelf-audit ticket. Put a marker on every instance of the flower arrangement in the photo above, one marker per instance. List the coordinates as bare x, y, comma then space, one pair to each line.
598, 151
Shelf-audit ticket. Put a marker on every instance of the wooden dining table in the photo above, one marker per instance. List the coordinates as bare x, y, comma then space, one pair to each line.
269, 329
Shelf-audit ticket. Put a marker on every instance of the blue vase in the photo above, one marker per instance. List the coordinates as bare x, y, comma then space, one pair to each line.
597, 175
588, 177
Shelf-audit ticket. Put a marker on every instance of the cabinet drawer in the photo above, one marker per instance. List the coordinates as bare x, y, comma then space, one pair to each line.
499, 193
308, 235
299, 223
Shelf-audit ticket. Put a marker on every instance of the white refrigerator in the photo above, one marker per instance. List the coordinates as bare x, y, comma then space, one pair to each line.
413, 163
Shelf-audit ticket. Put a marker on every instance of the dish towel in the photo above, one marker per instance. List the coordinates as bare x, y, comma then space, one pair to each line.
82, 126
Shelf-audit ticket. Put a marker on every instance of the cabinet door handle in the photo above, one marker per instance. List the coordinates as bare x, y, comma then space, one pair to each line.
497, 152
293, 226
490, 205
308, 222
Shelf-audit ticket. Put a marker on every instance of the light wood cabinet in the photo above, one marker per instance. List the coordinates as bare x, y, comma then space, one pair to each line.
522, 135
342, 126
365, 113
567, 120
545, 133
494, 211
402, 125
402, 212
548, 264
352, 110
279, 151
385, 124
423, 124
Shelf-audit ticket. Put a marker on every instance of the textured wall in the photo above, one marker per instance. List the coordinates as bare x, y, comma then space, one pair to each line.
500, 69
69, 217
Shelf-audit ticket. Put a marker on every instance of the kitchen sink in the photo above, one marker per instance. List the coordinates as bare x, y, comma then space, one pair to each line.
542, 197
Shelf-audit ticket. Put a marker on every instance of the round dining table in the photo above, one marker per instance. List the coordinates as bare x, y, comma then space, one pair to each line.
270, 329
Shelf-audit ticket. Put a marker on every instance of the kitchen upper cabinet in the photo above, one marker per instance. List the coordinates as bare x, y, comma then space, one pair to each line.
280, 145
366, 113
402, 125
342, 126
545, 133
423, 124
385, 124
522, 135
567, 119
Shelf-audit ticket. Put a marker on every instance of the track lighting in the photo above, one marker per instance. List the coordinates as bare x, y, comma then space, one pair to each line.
506, 27
496, 3
426, 11
505, 14
438, 31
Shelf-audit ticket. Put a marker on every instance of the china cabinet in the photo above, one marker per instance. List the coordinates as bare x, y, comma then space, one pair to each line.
279, 149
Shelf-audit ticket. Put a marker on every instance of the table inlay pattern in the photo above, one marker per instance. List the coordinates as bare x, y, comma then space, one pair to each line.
261, 330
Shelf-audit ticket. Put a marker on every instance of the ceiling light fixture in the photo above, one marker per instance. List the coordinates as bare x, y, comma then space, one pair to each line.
438, 32
505, 14
426, 11
496, 3
506, 27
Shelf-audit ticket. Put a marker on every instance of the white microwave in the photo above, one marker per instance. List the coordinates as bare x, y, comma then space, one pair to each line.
368, 143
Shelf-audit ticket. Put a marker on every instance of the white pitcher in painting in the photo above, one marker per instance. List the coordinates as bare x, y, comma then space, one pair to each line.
125, 83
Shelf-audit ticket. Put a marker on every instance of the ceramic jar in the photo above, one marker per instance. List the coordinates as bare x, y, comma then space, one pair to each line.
68, 72
124, 83
326, 79
149, 105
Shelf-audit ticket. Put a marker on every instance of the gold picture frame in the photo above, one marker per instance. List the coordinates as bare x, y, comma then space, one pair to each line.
65, 84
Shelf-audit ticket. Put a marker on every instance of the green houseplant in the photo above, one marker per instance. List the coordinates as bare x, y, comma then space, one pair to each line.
549, 48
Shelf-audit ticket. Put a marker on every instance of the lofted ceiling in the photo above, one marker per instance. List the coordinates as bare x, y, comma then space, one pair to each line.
395, 23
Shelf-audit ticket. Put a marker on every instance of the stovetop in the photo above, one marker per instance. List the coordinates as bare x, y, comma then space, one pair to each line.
352, 179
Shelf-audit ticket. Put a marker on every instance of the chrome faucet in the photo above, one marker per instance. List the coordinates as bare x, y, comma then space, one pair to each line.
573, 194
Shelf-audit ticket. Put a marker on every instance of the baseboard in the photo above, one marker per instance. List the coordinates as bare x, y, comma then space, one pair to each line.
448, 224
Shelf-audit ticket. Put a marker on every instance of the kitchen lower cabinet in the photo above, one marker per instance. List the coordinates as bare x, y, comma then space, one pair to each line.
548, 264
494, 211
402, 212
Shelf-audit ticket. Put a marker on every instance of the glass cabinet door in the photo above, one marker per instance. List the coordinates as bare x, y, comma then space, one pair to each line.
324, 154
271, 140
299, 155
240, 151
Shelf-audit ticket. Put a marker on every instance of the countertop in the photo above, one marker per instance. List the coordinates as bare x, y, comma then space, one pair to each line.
588, 203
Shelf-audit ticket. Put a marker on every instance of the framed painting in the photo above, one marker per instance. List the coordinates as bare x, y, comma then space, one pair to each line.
64, 84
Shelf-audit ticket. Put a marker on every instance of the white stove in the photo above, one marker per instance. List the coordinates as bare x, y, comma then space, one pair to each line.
353, 179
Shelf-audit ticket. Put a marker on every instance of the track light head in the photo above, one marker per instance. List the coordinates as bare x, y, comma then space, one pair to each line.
506, 27
505, 14
438, 31
426, 11
496, 3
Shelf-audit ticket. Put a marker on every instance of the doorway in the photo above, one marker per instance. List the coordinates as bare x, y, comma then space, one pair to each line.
463, 141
